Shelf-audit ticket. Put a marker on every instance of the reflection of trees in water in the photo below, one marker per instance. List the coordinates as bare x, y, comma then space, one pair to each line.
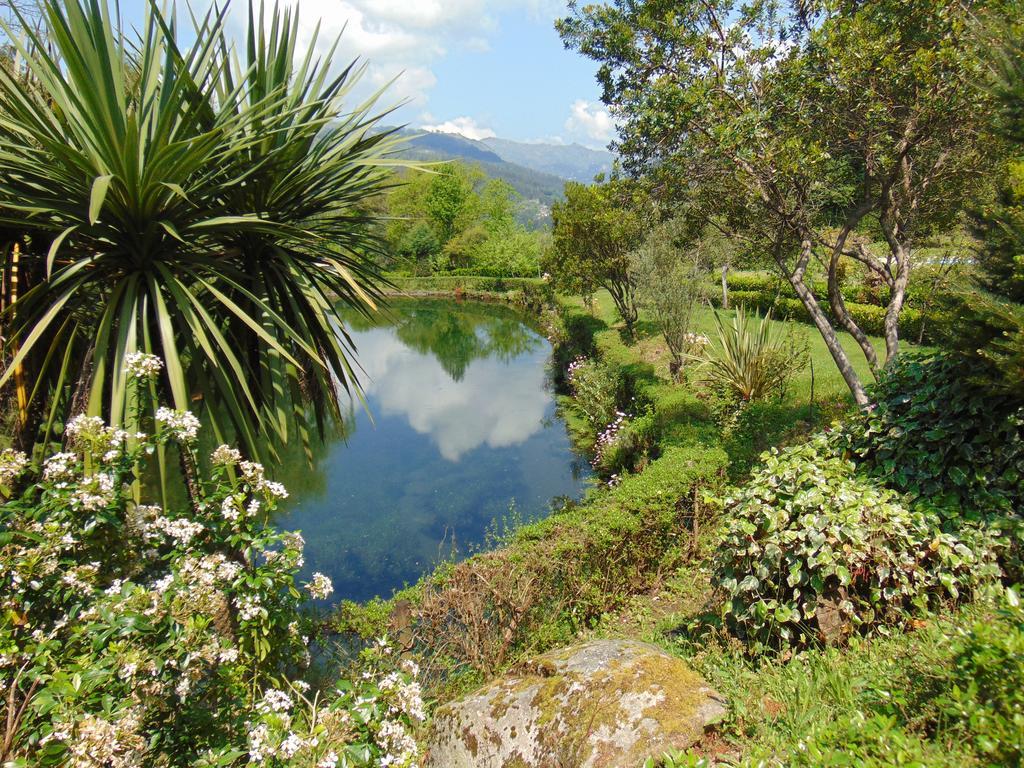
456, 335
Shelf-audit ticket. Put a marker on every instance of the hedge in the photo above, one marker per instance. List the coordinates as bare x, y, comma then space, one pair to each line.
869, 317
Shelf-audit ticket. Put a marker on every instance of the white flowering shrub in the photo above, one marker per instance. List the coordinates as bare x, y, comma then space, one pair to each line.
594, 387
134, 635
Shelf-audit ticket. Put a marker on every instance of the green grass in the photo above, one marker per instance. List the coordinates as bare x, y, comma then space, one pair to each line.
828, 383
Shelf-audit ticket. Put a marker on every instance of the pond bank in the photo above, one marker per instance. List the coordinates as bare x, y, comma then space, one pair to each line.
552, 580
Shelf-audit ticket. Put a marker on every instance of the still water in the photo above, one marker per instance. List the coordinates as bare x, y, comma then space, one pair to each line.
461, 427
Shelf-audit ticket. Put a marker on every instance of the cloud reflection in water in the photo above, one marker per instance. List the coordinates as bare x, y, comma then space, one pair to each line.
493, 403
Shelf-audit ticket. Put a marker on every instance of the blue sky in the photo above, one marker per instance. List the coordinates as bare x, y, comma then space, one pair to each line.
476, 67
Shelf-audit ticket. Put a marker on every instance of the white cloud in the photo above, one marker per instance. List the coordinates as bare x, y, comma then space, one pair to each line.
400, 39
490, 404
464, 126
590, 123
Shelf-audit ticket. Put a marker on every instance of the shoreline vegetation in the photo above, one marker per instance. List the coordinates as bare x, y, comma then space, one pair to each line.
633, 561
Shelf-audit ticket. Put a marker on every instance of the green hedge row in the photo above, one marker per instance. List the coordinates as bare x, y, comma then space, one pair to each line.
870, 317
452, 283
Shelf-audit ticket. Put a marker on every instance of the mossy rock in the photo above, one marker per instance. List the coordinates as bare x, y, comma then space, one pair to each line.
601, 704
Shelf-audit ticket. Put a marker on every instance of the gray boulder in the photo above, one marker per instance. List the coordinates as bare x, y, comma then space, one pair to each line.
601, 704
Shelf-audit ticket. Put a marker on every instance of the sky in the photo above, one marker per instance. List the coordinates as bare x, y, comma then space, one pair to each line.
477, 67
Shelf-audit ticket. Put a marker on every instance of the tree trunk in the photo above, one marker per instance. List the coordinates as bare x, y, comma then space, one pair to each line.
622, 296
725, 286
828, 333
839, 311
896, 299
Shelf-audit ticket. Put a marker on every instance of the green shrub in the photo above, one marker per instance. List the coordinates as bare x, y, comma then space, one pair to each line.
939, 434
755, 282
750, 359
629, 447
985, 703
813, 552
869, 317
594, 387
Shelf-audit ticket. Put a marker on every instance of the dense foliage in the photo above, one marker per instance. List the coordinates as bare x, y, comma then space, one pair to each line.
671, 277
939, 432
452, 219
596, 228
812, 552
171, 197
810, 131
985, 702
136, 635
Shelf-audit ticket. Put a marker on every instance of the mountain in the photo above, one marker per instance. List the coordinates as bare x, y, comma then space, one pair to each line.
568, 161
538, 172
542, 188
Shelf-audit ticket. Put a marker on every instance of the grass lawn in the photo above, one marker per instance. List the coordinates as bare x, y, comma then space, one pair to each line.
828, 383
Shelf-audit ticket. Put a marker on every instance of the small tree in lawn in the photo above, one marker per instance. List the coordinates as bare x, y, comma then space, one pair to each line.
595, 229
672, 280
809, 130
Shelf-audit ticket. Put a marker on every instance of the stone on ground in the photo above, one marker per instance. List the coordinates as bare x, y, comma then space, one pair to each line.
602, 704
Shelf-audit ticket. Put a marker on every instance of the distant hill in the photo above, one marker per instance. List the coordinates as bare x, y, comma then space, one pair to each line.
568, 161
538, 172
530, 183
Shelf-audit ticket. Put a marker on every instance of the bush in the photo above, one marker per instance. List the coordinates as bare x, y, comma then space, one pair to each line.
595, 388
134, 635
939, 434
985, 703
870, 317
751, 359
868, 741
812, 552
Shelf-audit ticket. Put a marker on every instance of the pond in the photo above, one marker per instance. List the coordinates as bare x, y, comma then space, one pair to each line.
461, 435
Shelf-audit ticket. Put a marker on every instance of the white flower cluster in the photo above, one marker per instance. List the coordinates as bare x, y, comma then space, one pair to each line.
84, 427
139, 365
207, 572
12, 464
183, 425
232, 509
94, 492
249, 607
397, 743
320, 587
274, 700
225, 456
91, 432
696, 341
254, 476
181, 530
60, 468
409, 696
96, 741
261, 749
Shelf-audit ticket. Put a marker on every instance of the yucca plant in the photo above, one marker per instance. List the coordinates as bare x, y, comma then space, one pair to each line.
750, 359
188, 206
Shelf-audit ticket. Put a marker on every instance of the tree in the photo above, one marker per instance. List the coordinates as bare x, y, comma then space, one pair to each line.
595, 229
183, 203
451, 200
992, 319
672, 280
810, 130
